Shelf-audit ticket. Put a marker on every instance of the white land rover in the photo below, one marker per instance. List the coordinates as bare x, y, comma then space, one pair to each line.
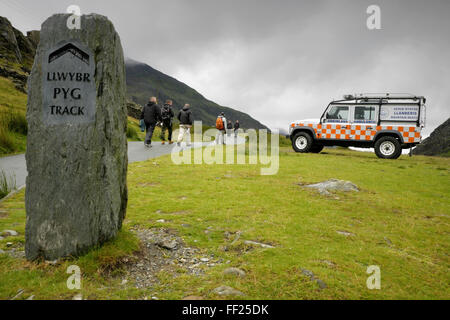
387, 122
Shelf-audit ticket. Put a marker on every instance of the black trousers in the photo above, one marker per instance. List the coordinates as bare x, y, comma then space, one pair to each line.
150, 128
166, 126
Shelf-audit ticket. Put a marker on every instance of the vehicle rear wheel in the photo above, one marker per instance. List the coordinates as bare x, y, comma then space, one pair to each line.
302, 142
316, 148
388, 148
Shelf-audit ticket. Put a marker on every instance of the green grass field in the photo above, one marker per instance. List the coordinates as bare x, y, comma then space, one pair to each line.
13, 105
399, 221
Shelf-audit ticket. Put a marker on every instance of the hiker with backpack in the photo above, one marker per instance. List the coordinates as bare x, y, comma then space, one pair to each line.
220, 125
229, 128
166, 119
151, 114
236, 128
186, 120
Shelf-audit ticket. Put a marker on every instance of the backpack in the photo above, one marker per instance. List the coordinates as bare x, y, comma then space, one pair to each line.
165, 113
219, 123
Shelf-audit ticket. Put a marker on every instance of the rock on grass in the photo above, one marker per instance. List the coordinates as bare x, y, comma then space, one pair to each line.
325, 187
227, 291
235, 272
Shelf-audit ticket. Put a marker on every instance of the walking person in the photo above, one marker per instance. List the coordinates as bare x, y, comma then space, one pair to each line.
220, 125
236, 128
185, 118
151, 114
167, 121
229, 128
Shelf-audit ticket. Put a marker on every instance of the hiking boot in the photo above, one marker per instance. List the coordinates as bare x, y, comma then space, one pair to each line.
178, 144
170, 142
163, 143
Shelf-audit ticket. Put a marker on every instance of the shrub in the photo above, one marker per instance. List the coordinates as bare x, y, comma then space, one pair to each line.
131, 132
17, 122
7, 142
7, 184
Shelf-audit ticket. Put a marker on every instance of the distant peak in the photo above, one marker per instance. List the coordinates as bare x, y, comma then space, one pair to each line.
132, 62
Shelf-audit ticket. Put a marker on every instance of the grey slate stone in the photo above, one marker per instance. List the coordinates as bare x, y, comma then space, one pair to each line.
227, 291
325, 187
235, 272
76, 194
9, 233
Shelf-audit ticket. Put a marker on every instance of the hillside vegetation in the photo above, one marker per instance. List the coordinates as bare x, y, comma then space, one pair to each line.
13, 125
143, 81
399, 221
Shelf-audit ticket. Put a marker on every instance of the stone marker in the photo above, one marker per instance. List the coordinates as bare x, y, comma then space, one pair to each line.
76, 193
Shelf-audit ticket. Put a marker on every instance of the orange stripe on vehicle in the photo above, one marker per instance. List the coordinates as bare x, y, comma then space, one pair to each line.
389, 127
378, 128
328, 136
357, 137
417, 134
358, 127
368, 137
411, 129
411, 139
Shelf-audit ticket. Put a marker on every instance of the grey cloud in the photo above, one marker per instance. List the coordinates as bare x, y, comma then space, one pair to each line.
280, 60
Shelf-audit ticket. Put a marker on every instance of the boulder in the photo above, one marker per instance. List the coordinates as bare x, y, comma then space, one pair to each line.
235, 272
134, 110
227, 291
9, 233
333, 185
437, 144
76, 194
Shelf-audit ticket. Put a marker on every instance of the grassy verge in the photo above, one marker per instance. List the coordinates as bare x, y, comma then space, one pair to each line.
399, 221
13, 125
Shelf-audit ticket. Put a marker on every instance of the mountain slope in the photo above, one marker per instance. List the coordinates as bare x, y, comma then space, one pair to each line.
143, 81
438, 143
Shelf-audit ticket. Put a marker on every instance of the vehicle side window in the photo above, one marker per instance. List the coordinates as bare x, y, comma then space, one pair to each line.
337, 114
364, 114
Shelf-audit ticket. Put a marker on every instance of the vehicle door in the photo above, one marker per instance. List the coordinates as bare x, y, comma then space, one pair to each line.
364, 122
335, 122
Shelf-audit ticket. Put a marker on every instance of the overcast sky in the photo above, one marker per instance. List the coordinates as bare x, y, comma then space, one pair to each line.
279, 60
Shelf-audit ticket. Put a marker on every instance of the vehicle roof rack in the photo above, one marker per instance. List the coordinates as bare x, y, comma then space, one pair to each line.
386, 96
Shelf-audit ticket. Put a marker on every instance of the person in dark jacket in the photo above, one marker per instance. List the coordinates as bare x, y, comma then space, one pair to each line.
186, 120
166, 119
151, 113
236, 128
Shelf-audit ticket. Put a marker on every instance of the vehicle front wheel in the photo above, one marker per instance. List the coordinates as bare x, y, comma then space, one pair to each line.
302, 142
388, 148
316, 148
